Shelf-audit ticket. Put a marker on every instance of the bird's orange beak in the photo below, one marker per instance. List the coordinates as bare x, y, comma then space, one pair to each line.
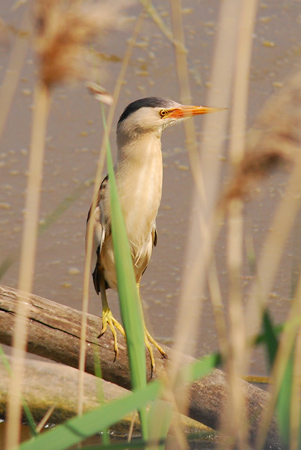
189, 111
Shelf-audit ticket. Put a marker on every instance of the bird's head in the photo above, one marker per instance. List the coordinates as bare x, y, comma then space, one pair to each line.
153, 114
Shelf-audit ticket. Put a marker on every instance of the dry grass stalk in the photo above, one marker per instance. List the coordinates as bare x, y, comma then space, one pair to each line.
27, 264
234, 413
279, 139
185, 93
155, 15
45, 419
273, 249
11, 78
177, 393
235, 419
203, 226
63, 29
211, 147
90, 231
275, 143
218, 308
266, 272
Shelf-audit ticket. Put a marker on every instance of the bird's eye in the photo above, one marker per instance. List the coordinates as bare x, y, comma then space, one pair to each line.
163, 112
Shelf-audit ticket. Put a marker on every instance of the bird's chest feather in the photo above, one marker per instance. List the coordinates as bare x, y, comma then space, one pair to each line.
139, 184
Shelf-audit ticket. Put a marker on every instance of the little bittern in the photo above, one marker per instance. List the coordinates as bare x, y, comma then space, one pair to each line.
138, 173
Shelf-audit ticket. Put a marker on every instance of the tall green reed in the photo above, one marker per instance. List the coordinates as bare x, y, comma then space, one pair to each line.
131, 312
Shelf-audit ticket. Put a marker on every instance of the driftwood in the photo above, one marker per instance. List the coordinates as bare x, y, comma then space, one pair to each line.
54, 333
49, 386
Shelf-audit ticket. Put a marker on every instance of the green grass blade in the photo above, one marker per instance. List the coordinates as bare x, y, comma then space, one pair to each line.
271, 339
261, 338
130, 307
200, 368
78, 428
129, 302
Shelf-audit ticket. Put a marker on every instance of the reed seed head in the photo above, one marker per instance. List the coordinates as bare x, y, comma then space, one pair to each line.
64, 28
273, 143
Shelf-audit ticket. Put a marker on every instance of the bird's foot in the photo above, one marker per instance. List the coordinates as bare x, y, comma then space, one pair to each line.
148, 339
109, 319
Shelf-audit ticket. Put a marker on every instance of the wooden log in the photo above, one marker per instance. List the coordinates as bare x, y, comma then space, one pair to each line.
49, 385
54, 333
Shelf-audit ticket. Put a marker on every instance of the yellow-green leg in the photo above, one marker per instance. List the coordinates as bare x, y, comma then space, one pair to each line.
148, 339
109, 319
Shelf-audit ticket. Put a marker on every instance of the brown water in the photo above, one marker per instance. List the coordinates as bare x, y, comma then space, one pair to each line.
73, 140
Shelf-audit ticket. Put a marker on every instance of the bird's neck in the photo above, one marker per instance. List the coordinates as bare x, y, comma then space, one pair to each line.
139, 166
138, 150
139, 182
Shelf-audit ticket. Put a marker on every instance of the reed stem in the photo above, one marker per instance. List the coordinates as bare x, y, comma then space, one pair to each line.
27, 263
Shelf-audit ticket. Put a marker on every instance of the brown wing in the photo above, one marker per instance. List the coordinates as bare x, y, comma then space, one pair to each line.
154, 239
99, 235
100, 195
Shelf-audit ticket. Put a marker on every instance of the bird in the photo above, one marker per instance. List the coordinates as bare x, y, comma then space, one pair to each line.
138, 173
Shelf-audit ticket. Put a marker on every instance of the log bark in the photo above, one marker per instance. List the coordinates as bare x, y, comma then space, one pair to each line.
54, 333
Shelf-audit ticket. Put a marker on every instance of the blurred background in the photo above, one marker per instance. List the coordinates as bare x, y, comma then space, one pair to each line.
74, 136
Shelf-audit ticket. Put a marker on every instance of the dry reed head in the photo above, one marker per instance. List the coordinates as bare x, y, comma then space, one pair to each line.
252, 169
63, 30
273, 143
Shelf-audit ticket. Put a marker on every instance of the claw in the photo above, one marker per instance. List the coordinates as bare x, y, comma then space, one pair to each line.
108, 318
148, 339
